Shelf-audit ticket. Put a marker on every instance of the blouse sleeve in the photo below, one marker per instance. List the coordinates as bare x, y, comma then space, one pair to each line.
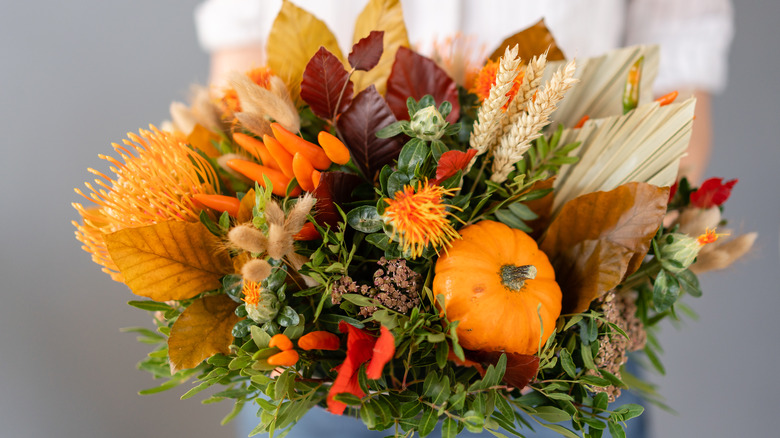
694, 36
223, 24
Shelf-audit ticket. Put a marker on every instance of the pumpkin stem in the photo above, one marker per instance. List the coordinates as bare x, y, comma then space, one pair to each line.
513, 277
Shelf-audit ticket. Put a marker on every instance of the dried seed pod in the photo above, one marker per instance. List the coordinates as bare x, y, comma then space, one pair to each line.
248, 238
256, 270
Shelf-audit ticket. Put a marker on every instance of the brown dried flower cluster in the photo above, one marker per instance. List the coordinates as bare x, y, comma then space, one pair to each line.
619, 309
396, 286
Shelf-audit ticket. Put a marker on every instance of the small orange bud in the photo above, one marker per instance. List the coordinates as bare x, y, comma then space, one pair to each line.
281, 342
286, 358
319, 340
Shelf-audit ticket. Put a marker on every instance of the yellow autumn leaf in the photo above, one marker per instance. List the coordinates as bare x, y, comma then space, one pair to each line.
246, 206
169, 260
295, 37
388, 16
200, 138
201, 331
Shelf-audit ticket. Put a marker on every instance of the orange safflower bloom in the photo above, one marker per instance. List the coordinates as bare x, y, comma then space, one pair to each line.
487, 78
155, 181
708, 237
420, 218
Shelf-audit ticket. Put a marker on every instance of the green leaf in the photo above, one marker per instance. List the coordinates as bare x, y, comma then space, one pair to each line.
152, 306
552, 414
506, 217
380, 240
568, 363
396, 183
449, 428
522, 211
689, 283
288, 317
595, 381
613, 379
473, 421
365, 219
233, 284
442, 351
348, 398
260, 337
412, 154
630, 411
359, 300
587, 357
665, 291
616, 430
296, 331
427, 422
241, 328
561, 430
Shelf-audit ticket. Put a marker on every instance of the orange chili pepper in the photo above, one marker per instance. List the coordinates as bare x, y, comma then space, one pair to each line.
315, 178
303, 169
319, 340
582, 122
256, 172
219, 202
256, 148
666, 99
280, 154
333, 147
292, 143
281, 341
286, 358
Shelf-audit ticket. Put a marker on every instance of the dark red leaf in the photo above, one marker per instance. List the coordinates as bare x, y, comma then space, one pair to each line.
712, 192
334, 188
520, 368
451, 162
323, 82
384, 349
358, 126
414, 75
365, 53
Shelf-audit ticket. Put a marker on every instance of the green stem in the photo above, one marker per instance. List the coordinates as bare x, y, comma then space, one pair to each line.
650, 269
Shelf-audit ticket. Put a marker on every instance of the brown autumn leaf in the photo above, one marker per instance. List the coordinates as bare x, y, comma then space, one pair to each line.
326, 85
366, 53
592, 241
295, 37
532, 41
246, 206
359, 124
387, 16
201, 331
170, 260
414, 75
334, 188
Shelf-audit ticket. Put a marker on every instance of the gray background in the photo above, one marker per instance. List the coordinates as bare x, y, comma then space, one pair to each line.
78, 75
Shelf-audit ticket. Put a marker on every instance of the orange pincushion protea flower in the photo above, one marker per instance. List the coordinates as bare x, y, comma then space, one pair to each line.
154, 183
260, 76
487, 78
419, 218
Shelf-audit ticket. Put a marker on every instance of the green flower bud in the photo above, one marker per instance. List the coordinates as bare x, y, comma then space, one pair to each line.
678, 251
428, 123
265, 309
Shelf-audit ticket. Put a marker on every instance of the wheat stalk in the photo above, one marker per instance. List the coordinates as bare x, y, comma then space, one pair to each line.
518, 138
532, 78
490, 114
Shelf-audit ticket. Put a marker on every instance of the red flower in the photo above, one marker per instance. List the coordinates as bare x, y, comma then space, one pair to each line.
712, 192
451, 162
673, 190
361, 347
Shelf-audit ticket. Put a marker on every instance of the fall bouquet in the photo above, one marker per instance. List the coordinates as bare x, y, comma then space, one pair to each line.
412, 239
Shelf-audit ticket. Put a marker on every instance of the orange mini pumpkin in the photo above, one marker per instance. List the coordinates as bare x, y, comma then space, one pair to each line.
493, 280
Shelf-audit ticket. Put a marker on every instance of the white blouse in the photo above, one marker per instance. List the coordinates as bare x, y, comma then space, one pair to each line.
694, 35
